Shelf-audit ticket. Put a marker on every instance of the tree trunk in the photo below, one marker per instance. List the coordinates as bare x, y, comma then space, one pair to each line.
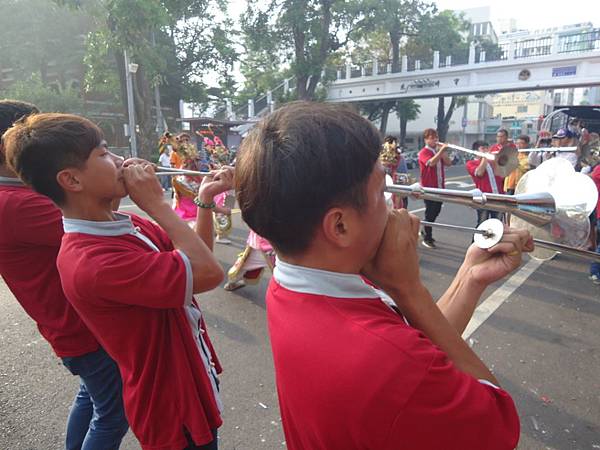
143, 109
444, 117
395, 41
403, 124
385, 113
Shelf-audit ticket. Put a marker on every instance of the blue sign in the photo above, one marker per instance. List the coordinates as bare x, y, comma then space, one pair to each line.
564, 71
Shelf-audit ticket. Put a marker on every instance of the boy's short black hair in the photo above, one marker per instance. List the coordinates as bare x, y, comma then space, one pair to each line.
390, 139
477, 144
10, 112
41, 145
299, 162
525, 138
503, 131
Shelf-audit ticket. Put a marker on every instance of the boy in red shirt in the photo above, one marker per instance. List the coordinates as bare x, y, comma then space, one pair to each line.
431, 165
30, 239
351, 372
482, 173
132, 281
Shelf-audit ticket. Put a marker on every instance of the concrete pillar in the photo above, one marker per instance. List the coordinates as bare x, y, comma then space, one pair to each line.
418, 64
404, 63
348, 70
286, 86
436, 60
375, 66
250, 108
471, 53
270, 103
448, 60
482, 56
388, 68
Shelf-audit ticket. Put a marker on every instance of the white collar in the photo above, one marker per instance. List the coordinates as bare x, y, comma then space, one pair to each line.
10, 181
123, 225
322, 282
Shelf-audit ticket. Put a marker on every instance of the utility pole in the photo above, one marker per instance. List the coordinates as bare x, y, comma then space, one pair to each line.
129, 70
160, 121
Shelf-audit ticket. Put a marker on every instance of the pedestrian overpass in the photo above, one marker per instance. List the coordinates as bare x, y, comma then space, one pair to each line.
556, 60
558, 67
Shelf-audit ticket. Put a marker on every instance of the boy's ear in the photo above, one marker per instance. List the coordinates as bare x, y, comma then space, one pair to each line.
336, 227
68, 180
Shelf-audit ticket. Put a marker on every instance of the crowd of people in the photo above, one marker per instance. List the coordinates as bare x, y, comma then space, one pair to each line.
364, 358
434, 159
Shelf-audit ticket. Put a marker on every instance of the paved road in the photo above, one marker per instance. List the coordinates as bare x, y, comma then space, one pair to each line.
542, 342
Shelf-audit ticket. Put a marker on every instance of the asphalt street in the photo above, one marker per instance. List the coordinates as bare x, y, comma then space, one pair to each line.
542, 342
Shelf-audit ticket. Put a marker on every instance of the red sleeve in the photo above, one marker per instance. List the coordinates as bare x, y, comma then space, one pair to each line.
142, 278
36, 220
451, 406
472, 166
596, 174
424, 156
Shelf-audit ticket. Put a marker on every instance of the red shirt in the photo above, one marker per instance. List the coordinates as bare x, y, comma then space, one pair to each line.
30, 237
351, 374
596, 178
484, 183
431, 176
132, 296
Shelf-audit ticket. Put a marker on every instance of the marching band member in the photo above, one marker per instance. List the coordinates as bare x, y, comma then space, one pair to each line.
30, 238
482, 173
432, 164
132, 281
364, 358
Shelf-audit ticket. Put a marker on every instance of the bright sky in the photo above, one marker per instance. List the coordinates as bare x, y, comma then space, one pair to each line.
530, 14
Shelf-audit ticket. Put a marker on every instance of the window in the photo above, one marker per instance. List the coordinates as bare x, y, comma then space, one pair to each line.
522, 109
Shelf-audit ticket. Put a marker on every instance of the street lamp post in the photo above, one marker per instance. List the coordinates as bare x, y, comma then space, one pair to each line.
129, 70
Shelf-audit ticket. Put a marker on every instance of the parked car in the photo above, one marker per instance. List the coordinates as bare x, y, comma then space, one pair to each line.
412, 158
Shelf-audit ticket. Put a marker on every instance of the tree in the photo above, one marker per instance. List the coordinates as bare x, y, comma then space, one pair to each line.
406, 110
385, 27
447, 33
175, 44
46, 98
305, 32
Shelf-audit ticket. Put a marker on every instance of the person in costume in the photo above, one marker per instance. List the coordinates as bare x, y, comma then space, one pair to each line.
219, 157
250, 264
186, 186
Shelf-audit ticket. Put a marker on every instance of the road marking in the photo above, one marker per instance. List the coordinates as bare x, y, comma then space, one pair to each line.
460, 184
494, 301
462, 177
414, 211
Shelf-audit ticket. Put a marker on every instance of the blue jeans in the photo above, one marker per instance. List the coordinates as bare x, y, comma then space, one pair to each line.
595, 267
97, 419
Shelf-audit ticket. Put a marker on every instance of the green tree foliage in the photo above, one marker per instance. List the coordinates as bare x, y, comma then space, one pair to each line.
300, 36
381, 33
447, 33
46, 98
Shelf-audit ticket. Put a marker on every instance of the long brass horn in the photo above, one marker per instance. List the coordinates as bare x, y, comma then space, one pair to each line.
505, 161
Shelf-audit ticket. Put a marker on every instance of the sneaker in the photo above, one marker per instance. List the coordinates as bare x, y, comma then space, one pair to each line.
429, 243
595, 279
233, 285
221, 240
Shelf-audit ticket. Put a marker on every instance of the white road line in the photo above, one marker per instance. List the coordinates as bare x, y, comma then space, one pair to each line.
495, 300
417, 210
